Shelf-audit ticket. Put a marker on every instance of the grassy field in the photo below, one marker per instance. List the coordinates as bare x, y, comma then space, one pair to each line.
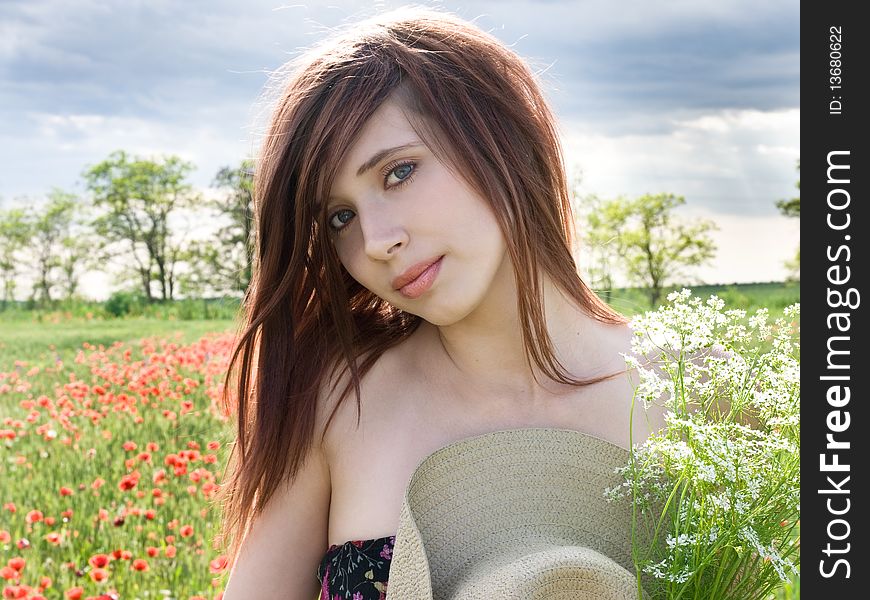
43, 342
774, 296
112, 443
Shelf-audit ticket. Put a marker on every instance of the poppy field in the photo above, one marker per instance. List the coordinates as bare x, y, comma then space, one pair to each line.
110, 461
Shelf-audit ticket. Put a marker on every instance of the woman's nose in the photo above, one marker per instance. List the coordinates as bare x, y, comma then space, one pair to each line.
383, 230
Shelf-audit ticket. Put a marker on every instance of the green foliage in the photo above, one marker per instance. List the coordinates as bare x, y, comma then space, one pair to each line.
651, 245
194, 309
599, 248
14, 233
57, 250
137, 197
121, 304
721, 482
223, 264
133, 304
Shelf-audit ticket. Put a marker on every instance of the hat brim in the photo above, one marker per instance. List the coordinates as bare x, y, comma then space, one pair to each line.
478, 508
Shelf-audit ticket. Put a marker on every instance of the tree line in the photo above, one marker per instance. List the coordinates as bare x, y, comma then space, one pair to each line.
129, 218
130, 214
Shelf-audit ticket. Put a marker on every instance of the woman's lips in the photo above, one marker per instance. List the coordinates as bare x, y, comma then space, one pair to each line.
417, 287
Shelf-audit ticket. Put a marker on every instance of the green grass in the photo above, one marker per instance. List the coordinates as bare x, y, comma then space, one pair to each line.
774, 296
44, 342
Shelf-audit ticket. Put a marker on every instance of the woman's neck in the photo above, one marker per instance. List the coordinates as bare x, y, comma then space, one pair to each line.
484, 356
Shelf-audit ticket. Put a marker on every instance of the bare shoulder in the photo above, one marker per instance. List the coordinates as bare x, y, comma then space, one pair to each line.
375, 391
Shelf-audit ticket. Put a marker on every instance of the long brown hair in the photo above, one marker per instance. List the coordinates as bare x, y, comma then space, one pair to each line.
475, 103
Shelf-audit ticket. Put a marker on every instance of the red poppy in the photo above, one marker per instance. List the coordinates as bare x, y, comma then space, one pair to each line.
65, 491
140, 564
34, 516
98, 561
121, 554
74, 593
99, 575
186, 531
15, 591
16, 563
128, 482
217, 565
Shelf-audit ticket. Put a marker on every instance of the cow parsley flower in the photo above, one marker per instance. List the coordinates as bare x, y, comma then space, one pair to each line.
716, 492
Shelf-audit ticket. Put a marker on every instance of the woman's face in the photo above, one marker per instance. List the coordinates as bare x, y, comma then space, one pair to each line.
394, 205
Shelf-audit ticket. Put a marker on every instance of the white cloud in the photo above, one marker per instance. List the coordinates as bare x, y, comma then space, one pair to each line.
731, 167
723, 160
66, 144
749, 249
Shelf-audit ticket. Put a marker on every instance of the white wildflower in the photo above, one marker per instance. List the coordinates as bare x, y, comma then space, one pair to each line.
711, 368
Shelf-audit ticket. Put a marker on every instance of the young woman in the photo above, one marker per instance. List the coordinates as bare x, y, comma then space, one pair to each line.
414, 246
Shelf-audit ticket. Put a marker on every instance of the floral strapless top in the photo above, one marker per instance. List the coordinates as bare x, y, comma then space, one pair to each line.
356, 570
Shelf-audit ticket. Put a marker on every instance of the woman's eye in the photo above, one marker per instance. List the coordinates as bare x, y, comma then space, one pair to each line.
399, 174
336, 222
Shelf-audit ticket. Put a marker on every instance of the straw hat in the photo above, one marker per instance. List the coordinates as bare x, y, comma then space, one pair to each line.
518, 513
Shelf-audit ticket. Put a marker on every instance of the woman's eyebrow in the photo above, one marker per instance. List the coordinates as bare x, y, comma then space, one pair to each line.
382, 154
371, 163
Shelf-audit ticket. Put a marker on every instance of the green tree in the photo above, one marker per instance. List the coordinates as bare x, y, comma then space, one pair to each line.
75, 256
138, 196
51, 225
598, 247
15, 235
224, 262
792, 208
652, 246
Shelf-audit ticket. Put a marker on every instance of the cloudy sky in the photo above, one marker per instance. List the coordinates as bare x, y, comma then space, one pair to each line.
697, 98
